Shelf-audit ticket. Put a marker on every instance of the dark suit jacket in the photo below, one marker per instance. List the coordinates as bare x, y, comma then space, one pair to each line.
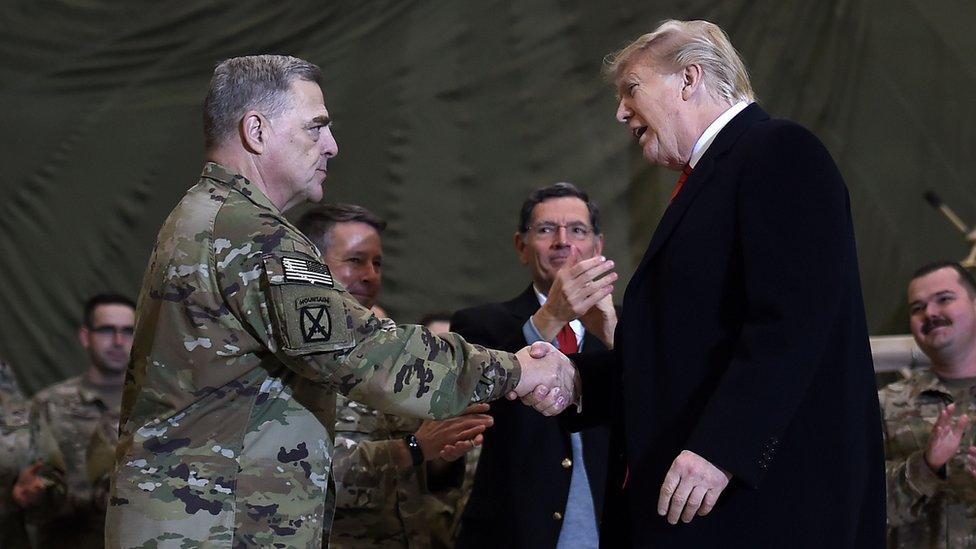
521, 480
743, 339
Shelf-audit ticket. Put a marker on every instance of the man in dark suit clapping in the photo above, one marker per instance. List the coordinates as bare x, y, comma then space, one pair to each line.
543, 483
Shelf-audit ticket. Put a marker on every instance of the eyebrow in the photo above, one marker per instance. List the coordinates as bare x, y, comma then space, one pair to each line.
940, 293
320, 120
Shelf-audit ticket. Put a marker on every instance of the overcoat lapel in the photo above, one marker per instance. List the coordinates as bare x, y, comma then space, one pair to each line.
697, 180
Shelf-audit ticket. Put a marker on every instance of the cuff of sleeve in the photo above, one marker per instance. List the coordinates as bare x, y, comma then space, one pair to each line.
532, 334
920, 476
512, 375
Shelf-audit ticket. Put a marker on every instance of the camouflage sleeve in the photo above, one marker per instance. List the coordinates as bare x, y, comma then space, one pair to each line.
910, 482
45, 448
14, 442
318, 330
365, 471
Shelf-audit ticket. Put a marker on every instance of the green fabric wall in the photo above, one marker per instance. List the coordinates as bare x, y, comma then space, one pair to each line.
447, 114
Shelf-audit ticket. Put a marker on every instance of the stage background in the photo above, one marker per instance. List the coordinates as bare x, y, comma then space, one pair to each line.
447, 114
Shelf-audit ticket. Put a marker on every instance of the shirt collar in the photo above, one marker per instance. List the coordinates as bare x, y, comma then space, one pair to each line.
712, 130
241, 184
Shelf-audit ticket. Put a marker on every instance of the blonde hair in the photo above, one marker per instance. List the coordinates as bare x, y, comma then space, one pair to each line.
678, 44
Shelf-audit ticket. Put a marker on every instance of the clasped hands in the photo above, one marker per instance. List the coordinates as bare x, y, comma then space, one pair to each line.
549, 382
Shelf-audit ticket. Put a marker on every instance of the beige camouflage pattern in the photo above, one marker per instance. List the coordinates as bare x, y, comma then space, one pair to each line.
376, 505
229, 403
14, 451
924, 509
74, 430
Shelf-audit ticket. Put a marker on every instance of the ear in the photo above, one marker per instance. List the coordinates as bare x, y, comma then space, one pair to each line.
598, 248
520, 248
84, 336
691, 81
254, 131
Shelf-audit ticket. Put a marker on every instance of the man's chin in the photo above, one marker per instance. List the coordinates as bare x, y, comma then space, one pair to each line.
315, 192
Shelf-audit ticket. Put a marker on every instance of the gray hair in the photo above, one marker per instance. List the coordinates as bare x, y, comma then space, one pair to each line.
258, 82
678, 44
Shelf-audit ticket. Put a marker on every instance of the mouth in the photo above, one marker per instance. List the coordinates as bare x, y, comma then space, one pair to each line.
639, 132
558, 259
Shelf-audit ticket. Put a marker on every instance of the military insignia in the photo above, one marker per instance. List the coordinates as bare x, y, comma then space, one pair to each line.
307, 271
316, 323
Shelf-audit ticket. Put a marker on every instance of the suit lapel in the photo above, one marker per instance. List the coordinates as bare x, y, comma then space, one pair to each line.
524, 305
697, 180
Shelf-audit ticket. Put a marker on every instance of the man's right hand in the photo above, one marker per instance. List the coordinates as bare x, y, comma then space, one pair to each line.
579, 290
548, 381
945, 438
30, 486
450, 439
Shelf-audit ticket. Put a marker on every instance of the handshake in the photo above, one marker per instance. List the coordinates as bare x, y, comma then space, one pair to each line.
549, 382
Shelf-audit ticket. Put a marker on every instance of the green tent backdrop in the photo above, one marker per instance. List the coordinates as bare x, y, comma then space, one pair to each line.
447, 113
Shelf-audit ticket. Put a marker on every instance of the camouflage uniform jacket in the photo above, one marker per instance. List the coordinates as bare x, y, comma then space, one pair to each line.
242, 340
74, 429
926, 509
14, 447
376, 505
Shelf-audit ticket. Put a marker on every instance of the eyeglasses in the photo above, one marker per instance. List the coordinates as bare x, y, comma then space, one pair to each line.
546, 231
111, 331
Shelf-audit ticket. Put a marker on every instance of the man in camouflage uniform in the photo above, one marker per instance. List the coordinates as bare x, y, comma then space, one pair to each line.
387, 468
243, 339
930, 457
74, 429
14, 444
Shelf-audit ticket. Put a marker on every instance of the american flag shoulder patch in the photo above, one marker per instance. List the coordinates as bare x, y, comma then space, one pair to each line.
306, 271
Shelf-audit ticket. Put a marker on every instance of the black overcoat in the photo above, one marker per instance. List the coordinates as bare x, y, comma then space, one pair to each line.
743, 339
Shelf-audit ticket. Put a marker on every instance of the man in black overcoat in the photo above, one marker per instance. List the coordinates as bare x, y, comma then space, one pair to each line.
742, 405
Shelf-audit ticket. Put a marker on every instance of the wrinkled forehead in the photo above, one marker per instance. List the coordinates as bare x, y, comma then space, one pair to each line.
562, 209
942, 280
113, 313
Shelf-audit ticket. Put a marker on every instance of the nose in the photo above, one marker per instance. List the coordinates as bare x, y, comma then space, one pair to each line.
371, 274
330, 147
562, 237
118, 339
623, 112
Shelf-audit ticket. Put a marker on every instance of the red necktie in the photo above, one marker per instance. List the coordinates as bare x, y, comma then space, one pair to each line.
685, 172
567, 340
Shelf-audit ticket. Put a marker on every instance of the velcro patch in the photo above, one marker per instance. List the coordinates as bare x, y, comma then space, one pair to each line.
306, 271
316, 323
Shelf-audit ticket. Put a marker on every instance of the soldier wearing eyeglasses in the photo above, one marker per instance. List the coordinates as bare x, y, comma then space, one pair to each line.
73, 432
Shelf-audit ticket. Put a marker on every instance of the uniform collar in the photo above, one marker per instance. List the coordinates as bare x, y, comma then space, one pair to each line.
927, 382
107, 396
241, 184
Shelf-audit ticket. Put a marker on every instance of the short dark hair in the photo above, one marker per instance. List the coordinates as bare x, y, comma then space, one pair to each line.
965, 276
557, 190
97, 301
442, 316
318, 222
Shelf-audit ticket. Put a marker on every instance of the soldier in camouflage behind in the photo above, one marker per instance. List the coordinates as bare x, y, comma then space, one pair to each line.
14, 446
930, 456
388, 469
243, 339
73, 432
